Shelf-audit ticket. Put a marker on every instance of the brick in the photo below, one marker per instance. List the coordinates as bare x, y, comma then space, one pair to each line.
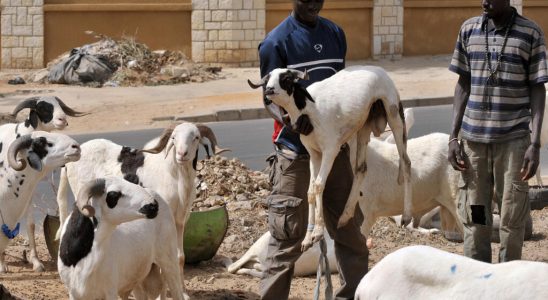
23, 63
212, 25
218, 15
213, 35
199, 4
213, 4
33, 42
253, 15
259, 34
35, 11
207, 16
248, 4
6, 25
19, 52
198, 51
394, 29
10, 42
37, 58
38, 25
219, 45
249, 25
211, 56
243, 15
199, 35
22, 30
259, 4
197, 19
231, 15
249, 35
6, 58
231, 45
15, 2
225, 35
245, 45
231, 25
27, 3
21, 16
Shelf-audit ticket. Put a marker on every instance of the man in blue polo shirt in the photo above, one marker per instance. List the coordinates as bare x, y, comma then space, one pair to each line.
501, 61
306, 41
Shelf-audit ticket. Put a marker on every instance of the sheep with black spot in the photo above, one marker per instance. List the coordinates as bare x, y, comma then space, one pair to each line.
46, 113
28, 159
119, 239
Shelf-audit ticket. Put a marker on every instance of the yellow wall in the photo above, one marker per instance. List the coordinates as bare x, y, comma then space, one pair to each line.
537, 10
432, 26
354, 17
164, 24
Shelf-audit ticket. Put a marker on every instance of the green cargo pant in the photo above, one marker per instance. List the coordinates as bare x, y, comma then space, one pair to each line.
493, 174
288, 219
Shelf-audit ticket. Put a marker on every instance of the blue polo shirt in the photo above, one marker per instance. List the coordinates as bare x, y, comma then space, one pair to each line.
320, 50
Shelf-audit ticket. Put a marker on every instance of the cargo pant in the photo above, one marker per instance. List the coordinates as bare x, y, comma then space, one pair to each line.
288, 219
493, 168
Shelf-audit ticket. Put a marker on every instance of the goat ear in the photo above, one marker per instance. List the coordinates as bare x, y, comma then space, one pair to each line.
34, 161
195, 160
33, 119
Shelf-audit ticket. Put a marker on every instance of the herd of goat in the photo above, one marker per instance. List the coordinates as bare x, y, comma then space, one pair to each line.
139, 200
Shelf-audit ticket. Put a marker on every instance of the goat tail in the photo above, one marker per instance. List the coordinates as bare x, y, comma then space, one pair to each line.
62, 199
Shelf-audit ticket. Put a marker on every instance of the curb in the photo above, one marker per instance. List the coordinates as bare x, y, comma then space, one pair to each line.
261, 113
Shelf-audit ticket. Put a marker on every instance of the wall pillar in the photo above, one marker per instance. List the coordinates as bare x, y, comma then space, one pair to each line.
227, 32
518, 4
22, 34
388, 29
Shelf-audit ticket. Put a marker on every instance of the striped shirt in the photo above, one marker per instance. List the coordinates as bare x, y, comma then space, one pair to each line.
320, 50
498, 110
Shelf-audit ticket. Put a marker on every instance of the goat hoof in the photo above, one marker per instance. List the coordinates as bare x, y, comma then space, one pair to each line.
39, 268
405, 221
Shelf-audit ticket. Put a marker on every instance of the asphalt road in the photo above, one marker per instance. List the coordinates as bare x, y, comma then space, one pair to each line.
250, 141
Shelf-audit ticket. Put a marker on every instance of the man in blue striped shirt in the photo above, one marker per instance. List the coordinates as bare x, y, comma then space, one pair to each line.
306, 41
501, 61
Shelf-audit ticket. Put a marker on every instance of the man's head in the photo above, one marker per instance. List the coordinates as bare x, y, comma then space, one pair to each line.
496, 9
306, 11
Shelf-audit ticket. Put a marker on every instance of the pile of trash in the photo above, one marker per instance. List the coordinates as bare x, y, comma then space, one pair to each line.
223, 181
123, 62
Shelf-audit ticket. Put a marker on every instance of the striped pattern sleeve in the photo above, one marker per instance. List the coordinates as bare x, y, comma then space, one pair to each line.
538, 72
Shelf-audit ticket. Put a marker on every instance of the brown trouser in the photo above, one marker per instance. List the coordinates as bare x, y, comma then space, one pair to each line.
494, 168
288, 218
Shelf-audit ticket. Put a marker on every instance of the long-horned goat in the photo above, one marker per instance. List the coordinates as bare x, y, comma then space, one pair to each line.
423, 272
357, 101
167, 166
114, 240
22, 165
45, 114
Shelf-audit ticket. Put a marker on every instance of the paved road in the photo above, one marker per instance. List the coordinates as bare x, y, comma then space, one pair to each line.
250, 142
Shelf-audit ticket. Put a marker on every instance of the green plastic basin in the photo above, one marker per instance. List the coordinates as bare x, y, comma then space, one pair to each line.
204, 233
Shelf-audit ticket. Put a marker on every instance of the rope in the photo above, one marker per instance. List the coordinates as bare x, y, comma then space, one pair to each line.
323, 267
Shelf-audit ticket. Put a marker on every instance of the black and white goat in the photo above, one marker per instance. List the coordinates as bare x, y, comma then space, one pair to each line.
27, 160
45, 114
168, 167
356, 101
114, 241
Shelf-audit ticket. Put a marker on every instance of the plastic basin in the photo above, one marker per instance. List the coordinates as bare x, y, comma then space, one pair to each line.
204, 233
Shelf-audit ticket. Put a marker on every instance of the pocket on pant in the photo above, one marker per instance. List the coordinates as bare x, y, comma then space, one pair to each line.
285, 217
519, 208
463, 205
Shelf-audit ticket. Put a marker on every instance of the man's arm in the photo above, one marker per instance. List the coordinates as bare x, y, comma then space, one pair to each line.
531, 158
462, 92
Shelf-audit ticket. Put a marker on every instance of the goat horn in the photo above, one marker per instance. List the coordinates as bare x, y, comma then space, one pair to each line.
301, 75
208, 133
162, 142
264, 80
20, 143
27, 103
69, 111
90, 189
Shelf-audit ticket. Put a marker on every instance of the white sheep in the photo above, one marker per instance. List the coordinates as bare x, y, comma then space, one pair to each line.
118, 238
253, 261
434, 181
357, 101
422, 272
45, 114
168, 167
44, 152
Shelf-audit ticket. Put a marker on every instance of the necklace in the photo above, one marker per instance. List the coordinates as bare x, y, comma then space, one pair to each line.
492, 79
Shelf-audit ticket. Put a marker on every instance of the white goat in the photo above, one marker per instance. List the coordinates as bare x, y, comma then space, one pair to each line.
45, 114
44, 152
169, 173
114, 240
434, 182
357, 100
422, 272
253, 261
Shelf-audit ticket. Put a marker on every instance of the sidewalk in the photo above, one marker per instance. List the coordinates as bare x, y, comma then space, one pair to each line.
421, 81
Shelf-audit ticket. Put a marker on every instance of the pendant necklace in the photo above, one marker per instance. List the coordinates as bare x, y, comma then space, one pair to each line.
492, 79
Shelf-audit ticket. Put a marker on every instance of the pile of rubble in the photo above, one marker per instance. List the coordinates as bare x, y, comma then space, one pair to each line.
134, 64
223, 181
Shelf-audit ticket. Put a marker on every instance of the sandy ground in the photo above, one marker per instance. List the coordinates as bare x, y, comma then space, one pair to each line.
114, 109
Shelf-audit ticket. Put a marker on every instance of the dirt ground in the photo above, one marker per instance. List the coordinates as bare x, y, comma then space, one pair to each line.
114, 109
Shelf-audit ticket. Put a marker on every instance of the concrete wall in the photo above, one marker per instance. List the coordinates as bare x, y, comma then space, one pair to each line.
227, 32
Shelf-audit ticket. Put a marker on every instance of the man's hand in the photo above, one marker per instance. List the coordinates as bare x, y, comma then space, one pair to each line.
455, 156
530, 162
303, 125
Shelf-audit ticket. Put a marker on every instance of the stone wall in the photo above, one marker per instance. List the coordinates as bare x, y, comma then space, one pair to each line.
22, 34
227, 32
388, 29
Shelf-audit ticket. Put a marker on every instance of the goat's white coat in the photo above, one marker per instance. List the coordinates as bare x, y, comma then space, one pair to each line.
170, 174
125, 246
340, 111
252, 263
434, 182
422, 272
63, 150
8, 134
